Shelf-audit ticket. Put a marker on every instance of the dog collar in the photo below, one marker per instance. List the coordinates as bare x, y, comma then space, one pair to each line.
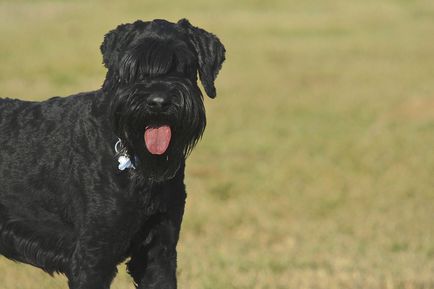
124, 159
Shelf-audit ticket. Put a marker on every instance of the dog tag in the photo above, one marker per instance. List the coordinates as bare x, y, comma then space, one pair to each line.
124, 163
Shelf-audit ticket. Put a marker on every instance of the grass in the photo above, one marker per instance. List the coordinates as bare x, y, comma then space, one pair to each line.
316, 170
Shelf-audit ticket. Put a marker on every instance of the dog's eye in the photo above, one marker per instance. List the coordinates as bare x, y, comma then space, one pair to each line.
143, 95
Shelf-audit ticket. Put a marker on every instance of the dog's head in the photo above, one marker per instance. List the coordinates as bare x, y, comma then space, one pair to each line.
157, 107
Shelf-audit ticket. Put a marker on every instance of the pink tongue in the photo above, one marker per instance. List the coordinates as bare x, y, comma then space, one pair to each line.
157, 139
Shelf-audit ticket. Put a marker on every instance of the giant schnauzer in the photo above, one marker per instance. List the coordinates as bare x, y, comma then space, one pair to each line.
66, 204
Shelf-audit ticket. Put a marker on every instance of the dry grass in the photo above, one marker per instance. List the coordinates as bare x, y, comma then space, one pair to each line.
316, 170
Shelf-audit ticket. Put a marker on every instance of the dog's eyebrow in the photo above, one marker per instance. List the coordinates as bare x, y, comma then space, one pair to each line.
154, 57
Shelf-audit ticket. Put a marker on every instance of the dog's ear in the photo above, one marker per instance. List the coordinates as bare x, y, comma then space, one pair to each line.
210, 53
113, 42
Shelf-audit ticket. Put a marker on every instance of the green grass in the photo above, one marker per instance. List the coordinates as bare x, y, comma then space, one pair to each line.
316, 170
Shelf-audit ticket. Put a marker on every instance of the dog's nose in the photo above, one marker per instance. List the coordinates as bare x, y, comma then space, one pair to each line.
157, 102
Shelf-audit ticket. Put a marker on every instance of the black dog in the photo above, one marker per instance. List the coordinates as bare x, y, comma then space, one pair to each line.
66, 205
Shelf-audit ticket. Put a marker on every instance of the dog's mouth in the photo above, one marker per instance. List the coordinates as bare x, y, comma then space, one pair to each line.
157, 139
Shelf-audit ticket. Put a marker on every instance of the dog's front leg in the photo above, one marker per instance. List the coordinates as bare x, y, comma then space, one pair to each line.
153, 265
153, 257
92, 264
153, 262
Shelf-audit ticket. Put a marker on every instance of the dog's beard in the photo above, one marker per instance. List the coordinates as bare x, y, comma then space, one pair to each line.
159, 142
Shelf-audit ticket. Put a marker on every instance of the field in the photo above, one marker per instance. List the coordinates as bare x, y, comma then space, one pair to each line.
317, 167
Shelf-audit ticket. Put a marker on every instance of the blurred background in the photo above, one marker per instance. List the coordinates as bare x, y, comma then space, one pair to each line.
317, 166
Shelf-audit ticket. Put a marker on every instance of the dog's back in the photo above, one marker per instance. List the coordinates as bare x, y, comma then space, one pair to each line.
37, 134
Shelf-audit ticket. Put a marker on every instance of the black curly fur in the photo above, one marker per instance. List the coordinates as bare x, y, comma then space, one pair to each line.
64, 205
